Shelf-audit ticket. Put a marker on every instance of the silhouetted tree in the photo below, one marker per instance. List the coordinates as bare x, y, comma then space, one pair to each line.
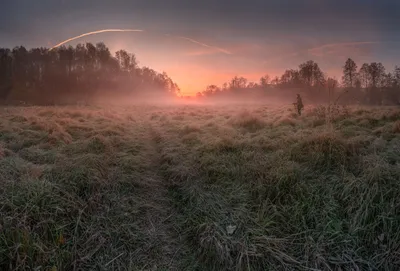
290, 78
391, 90
311, 74
396, 75
237, 83
349, 74
264, 81
364, 75
275, 81
376, 74
211, 90
126, 61
5, 73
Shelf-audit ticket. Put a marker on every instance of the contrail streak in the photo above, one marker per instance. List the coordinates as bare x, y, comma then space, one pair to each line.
201, 44
138, 30
96, 32
343, 44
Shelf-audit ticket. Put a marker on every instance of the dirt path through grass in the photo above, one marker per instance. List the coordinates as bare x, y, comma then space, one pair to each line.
171, 243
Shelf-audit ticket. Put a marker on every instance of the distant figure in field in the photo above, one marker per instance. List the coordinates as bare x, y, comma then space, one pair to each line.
299, 104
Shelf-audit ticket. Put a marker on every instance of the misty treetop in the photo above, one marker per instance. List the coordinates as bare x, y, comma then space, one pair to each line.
369, 84
69, 74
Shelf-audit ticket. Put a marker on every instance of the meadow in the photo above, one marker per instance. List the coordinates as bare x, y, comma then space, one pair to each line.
199, 188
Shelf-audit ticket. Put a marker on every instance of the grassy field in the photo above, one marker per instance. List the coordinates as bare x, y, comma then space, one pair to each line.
199, 188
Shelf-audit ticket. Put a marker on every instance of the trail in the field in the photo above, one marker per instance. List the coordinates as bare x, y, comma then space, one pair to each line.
161, 218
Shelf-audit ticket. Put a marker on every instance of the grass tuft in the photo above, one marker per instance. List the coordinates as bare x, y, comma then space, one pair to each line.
248, 121
396, 127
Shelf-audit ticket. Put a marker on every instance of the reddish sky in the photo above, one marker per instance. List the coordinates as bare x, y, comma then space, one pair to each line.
262, 36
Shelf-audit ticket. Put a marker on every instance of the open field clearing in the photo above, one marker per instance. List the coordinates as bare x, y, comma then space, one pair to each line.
199, 188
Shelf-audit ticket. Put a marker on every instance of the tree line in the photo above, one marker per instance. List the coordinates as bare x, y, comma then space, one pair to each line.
370, 84
70, 74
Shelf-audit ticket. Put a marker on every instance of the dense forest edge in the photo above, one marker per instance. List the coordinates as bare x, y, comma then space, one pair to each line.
70, 75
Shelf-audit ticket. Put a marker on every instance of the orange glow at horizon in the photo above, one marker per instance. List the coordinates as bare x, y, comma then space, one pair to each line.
190, 79
186, 78
193, 72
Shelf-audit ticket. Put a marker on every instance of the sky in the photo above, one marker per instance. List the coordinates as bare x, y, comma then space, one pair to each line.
245, 38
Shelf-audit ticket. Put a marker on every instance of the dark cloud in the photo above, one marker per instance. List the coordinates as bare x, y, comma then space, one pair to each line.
310, 15
328, 21
301, 23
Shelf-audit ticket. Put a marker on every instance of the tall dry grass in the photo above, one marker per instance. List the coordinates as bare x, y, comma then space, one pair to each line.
199, 188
